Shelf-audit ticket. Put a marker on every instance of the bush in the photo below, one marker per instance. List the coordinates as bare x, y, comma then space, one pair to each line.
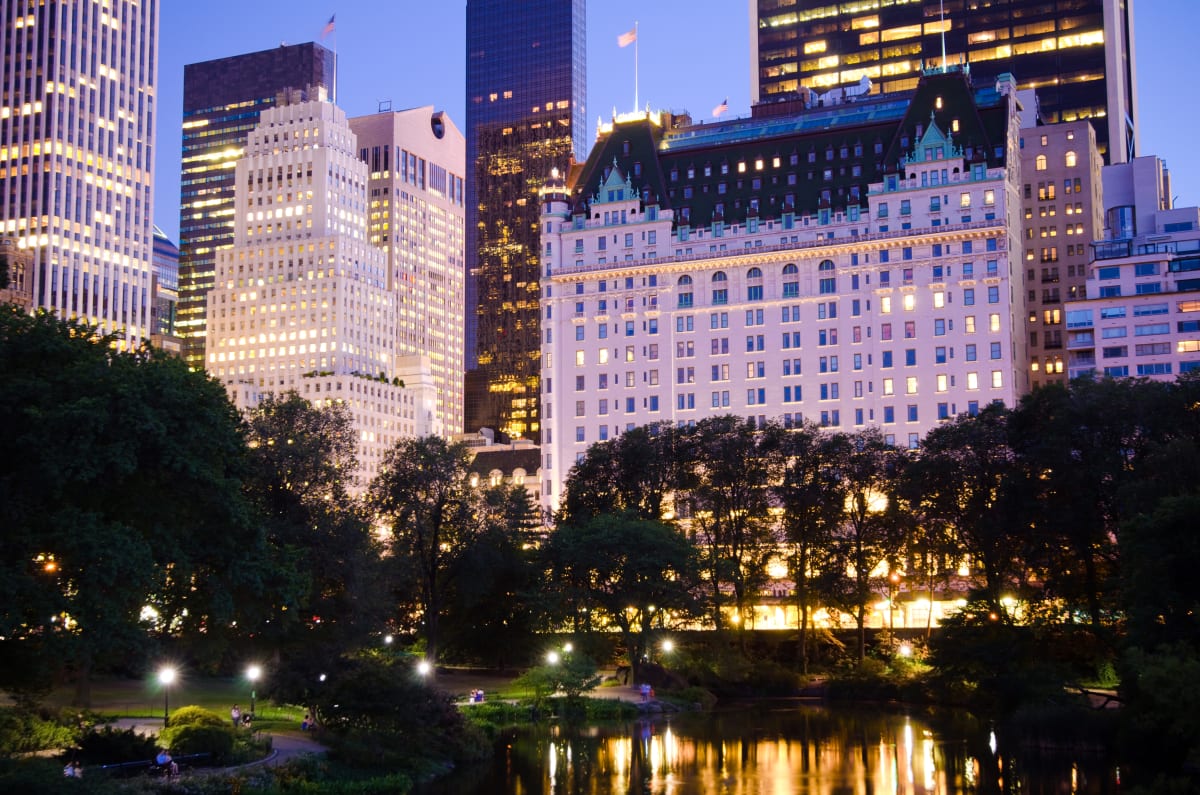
23, 731
216, 741
110, 746
198, 716
378, 714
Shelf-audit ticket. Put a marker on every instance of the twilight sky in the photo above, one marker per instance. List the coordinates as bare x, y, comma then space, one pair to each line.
693, 54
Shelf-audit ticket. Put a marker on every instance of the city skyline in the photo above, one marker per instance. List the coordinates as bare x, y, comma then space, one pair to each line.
669, 32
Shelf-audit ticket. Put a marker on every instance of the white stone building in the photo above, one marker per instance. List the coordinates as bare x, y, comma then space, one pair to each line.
900, 310
302, 300
416, 216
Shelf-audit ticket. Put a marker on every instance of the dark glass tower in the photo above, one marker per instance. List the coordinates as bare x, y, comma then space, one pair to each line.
1077, 54
222, 100
526, 81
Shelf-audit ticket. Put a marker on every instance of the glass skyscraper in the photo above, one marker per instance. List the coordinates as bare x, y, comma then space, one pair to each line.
526, 83
1077, 54
222, 100
77, 93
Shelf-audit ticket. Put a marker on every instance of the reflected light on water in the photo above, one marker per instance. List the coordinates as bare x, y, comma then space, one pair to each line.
808, 751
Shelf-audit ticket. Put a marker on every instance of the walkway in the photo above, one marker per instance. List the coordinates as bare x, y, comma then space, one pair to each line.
285, 745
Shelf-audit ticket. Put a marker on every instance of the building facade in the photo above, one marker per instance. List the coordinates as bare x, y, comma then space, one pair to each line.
222, 101
1077, 54
77, 102
526, 82
1141, 314
302, 300
415, 160
19, 287
166, 294
743, 268
1062, 213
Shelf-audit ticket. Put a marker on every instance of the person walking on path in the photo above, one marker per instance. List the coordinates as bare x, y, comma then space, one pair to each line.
236, 715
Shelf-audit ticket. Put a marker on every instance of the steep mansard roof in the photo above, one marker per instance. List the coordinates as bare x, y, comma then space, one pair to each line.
824, 157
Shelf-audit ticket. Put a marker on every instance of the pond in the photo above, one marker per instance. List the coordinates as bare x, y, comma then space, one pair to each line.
779, 748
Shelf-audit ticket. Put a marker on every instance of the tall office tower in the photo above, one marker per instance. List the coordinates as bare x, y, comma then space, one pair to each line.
1063, 213
416, 163
851, 265
166, 294
526, 82
222, 100
77, 99
1078, 54
301, 300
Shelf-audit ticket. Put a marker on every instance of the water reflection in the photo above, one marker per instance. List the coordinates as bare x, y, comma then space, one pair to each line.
774, 750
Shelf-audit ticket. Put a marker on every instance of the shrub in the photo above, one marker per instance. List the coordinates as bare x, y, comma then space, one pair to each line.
216, 741
110, 746
23, 731
198, 716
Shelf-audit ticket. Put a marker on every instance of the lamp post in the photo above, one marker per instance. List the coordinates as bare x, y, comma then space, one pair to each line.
252, 674
166, 675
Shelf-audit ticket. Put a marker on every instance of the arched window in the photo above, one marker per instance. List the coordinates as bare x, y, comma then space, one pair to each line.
1071, 159
827, 283
754, 290
791, 281
685, 291
1040, 163
720, 293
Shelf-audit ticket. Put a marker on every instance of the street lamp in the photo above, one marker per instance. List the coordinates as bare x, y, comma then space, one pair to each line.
423, 667
253, 673
552, 658
166, 675
668, 646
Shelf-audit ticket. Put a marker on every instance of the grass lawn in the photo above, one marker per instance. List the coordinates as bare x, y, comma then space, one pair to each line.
131, 698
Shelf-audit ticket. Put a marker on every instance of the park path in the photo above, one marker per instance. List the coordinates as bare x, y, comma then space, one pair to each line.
284, 745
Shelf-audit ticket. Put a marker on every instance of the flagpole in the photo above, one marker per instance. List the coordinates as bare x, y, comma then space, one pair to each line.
335, 61
635, 66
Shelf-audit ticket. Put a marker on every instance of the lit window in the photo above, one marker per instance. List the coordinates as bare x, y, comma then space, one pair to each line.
910, 302
1040, 163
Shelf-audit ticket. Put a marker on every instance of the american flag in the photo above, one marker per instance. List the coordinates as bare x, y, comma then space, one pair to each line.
325, 31
627, 38
722, 108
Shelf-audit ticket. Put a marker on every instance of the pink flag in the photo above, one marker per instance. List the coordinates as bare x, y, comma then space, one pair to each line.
722, 108
325, 31
627, 38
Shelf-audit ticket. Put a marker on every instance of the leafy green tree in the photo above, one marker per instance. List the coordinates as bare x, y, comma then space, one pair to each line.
732, 467
324, 569
495, 594
961, 485
632, 473
1079, 448
120, 489
424, 497
634, 574
871, 524
811, 495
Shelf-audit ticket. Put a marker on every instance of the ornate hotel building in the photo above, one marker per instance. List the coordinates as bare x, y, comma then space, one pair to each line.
416, 216
1077, 54
302, 299
852, 264
77, 110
